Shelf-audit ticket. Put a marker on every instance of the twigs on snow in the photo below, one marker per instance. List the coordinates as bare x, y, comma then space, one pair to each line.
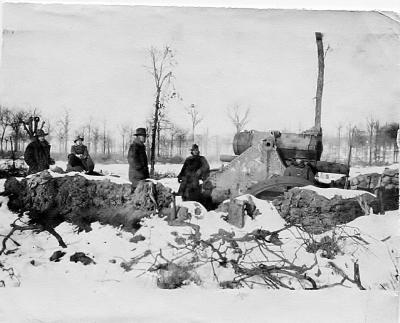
257, 258
11, 274
225, 250
356, 280
34, 227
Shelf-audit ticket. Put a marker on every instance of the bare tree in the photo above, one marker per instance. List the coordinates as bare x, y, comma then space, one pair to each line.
17, 118
65, 124
339, 128
350, 142
195, 118
124, 131
107, 140
60, 136
377, 131
174, 131
389, 135
162, 64
164, 125
86, 131
370, 129
96, 139
5, 123
181, 136
238, 118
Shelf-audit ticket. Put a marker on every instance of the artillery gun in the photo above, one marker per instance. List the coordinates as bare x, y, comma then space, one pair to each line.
261, 158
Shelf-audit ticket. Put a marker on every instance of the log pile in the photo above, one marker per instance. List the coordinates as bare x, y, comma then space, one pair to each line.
387, 182
81, 200
316, 213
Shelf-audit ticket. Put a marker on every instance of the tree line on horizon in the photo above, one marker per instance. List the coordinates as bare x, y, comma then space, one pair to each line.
169, 142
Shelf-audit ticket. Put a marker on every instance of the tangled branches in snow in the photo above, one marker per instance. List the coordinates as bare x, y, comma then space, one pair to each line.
19, 225
10, 273
25, 227
253, 259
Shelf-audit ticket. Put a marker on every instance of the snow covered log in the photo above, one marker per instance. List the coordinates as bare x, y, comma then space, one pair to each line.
52, 198
318, 210
389, 184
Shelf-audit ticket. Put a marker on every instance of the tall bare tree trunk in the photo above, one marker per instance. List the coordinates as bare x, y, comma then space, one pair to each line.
158, 138
339, 128
89, 141
123, 145
154, 132
370, 147
66, 130
172, 145
320, 81
350, 147
384, 151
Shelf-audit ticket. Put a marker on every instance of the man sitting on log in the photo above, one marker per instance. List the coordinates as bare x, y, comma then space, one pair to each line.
194, 169
79, 159
37, 153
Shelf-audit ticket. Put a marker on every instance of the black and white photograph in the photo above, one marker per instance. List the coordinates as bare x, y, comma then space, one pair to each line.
187, 163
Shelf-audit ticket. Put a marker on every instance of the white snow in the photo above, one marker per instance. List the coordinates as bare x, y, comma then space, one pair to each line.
114, 302
329, 193
64, 291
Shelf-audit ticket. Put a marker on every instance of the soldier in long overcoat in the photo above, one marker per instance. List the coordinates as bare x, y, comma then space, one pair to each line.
137, 158
37, 153
194, 169
79, 158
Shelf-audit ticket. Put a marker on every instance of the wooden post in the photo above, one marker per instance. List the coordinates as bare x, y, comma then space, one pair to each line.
320, 81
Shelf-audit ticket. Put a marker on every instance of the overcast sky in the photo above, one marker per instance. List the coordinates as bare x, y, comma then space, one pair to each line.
90, 59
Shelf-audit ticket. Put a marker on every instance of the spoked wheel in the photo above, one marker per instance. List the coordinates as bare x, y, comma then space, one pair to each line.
276, 186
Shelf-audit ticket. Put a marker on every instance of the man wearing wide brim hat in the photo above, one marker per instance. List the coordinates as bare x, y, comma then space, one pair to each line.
194, 169
137, 158
37, 153
79, 159
79, 137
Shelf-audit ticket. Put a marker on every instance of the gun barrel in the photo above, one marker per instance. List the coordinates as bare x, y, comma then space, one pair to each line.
227, 158
330, 167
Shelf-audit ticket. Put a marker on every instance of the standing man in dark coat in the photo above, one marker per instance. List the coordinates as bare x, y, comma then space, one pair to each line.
37, 153
79, 159
137, 158
194, 169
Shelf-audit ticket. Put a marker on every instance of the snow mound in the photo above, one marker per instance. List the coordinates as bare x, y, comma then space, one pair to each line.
331, 192
111, 178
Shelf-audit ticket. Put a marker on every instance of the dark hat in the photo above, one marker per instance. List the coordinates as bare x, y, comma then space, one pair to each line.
40, 133
140, 132
78, 137
194, 147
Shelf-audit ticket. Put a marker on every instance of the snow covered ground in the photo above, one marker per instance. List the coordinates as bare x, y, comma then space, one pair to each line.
44, 291
122, 169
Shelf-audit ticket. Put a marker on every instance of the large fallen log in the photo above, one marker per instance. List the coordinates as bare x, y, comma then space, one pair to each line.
53, 198
316, 212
